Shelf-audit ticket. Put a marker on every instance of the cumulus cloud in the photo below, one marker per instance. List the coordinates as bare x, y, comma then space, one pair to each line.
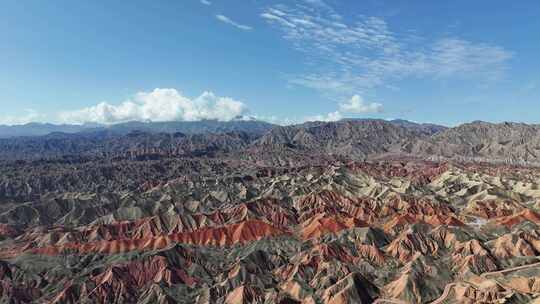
159, 105
228, 20
357, 105
332, 116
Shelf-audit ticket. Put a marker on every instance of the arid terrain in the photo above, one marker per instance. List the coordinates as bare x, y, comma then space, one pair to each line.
362, 211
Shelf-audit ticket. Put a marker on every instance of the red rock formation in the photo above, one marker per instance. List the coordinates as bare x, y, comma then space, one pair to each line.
413, 210
446, 236
525, 215
409, 243
128, 280
525, 285
351, 289
419, 281
421, 172
399, 222
466, 293
320, 225
332, 251
493, 208
233, 251
245, 294
331, 202
243, 232
473, 256
512, 245
372, 254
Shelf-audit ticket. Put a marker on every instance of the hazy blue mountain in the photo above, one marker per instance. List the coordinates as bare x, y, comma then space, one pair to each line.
187, 127
39, 129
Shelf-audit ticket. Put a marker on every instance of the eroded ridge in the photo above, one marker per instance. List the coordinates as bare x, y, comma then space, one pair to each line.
353, 232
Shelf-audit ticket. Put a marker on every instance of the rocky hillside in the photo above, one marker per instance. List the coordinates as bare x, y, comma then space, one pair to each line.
389, 232
505, 142
354, 139
426, 128
510, 143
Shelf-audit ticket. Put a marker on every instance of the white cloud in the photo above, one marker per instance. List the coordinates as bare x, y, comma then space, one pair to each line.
159, 105
357, 105
452, 56
206, 2
30, 115
228, 20
278, 120
332, 116
347, 56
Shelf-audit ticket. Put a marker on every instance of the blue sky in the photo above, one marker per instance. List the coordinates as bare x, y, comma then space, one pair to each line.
446, 62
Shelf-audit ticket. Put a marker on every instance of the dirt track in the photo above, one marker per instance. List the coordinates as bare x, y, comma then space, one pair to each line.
483, 275
445, 293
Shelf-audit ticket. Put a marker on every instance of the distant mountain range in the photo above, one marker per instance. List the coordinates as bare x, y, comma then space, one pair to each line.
361, 139
186, 127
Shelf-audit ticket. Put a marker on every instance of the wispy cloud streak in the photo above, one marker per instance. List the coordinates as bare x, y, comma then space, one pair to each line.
352, 56
229, 21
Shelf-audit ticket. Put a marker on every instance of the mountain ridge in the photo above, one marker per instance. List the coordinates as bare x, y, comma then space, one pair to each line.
359, 139
189, 127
